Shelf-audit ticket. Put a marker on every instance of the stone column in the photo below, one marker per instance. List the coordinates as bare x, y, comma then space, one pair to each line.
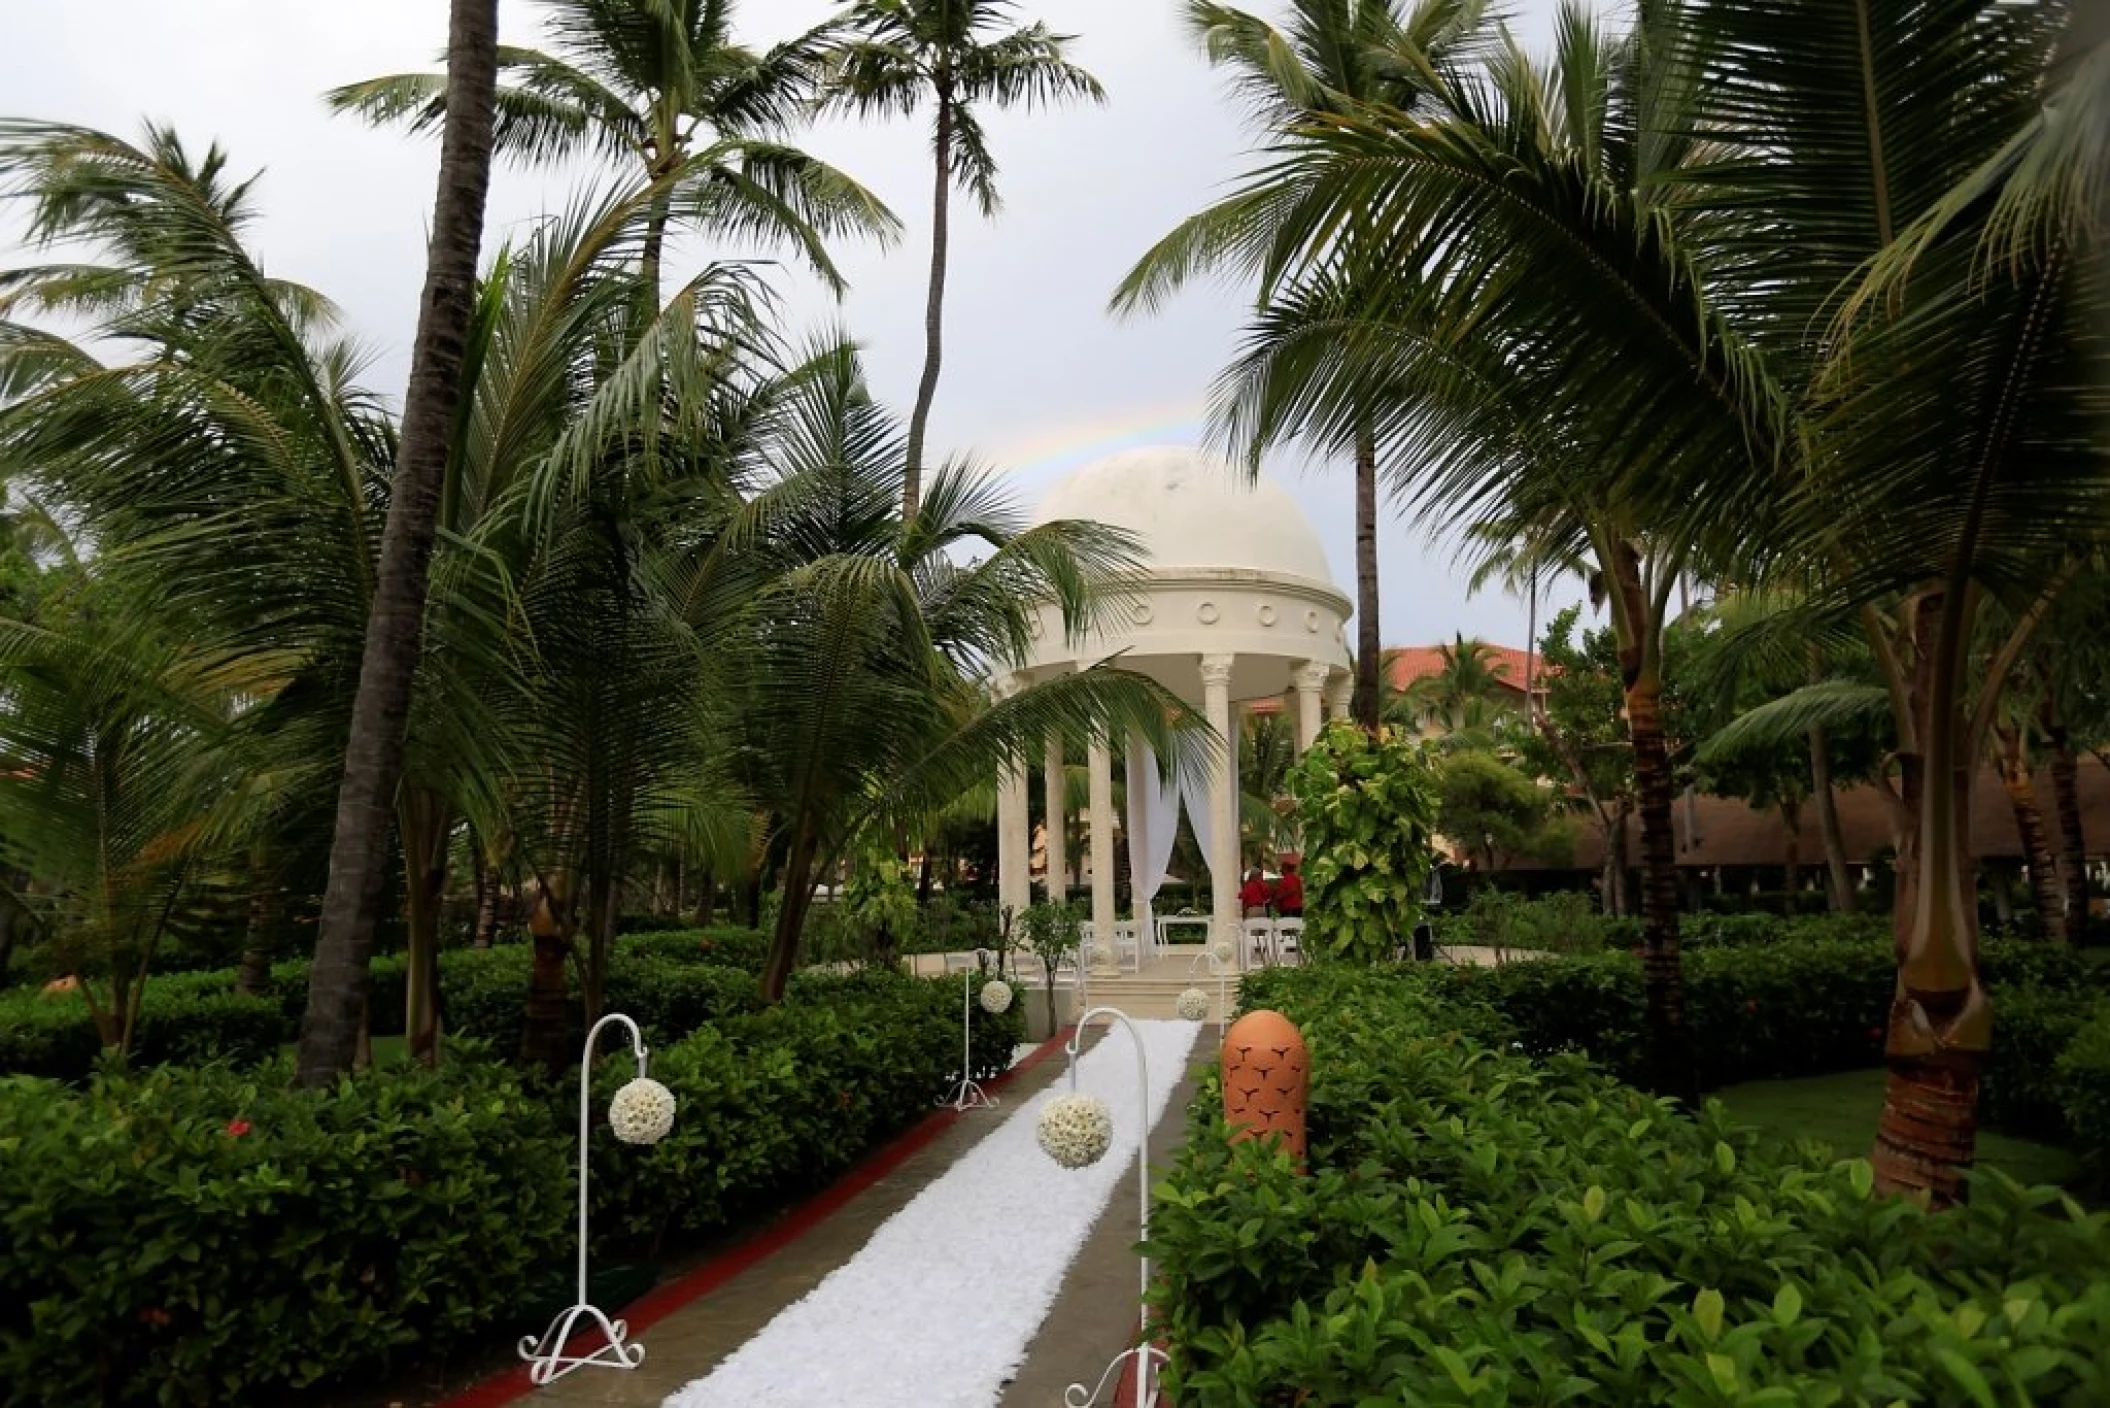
1310, 680
1223, 801
1056, 817
1338, 694
1101, 764
1014, 837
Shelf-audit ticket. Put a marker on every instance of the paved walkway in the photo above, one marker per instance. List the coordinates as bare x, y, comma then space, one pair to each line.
1093, 1316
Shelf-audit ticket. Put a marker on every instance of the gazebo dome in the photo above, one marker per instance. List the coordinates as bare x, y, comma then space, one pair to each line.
1193, 510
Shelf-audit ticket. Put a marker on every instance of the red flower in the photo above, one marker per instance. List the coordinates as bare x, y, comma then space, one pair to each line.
1875, 1033
1637, 951
238, 1128
1750, 1004
154, 1315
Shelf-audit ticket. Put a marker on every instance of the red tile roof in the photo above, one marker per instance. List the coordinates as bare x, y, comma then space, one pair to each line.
1405, 664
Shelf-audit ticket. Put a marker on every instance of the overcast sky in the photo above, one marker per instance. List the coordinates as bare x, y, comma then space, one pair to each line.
1037, 380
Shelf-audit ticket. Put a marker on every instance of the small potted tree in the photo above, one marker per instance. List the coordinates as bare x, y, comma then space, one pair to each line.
1053, 932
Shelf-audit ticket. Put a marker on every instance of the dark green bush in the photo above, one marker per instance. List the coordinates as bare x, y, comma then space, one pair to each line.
201, 1236
181, 1019
1759, 1012
723, 947
1477, 1228
2024, 1091
2084, 1086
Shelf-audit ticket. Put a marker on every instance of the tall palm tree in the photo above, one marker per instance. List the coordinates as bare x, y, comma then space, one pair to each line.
373, 760
1332, 56
1465, 692
867, 643
1847, 326
958, 54
663, 85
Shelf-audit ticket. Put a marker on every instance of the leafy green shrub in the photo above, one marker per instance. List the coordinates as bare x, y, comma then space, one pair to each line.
2084, 1088
1479, 1228
1366, 807
180, 1020
2024, 1091
1760, 1012
201, 1236
723, 947
1566, 921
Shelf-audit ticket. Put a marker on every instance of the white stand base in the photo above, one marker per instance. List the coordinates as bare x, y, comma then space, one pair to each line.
547, 1365
1077, 1396
968, 1096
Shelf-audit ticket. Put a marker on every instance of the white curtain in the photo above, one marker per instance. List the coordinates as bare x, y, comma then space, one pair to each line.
1153, 819
1202, 817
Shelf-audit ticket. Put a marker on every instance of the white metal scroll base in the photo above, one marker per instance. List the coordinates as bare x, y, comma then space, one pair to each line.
1146, 1355
547, 1361
967, 1095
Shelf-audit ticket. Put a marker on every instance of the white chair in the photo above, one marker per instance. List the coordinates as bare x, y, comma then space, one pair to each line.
1290, 934
1260, 938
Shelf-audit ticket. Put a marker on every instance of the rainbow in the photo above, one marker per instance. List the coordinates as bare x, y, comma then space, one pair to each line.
1068, 446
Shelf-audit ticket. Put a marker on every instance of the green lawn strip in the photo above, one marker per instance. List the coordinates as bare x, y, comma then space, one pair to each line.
1840, 1111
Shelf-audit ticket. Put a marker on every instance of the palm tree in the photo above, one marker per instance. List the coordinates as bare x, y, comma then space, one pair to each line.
950, 51
1781, 345
1464, 695
1333, 56
664, 86
373, 760
867, 641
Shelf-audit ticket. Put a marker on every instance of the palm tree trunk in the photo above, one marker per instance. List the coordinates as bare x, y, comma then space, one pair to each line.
2066, 804
1663, 980
1369, 640
487, 888
707, 902
373, 762
791, 917
260, 939
1838, 885
542, 1034
423, 824
1791, 825
1941, 1023
934, 309
2029, 830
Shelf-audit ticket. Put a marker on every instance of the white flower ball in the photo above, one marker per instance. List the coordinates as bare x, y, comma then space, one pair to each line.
1223, 951
1102, 955
642, 1112
1193, 1005
1076, 1130
996, 996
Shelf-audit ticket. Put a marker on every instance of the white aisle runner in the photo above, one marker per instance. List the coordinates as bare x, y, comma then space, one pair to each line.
937, 1309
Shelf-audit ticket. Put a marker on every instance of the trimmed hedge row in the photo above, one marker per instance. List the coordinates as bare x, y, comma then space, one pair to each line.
207, 1236
671, 983
1766, 1011
1477, 1227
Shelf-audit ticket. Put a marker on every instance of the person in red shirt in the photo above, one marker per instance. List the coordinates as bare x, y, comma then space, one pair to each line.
1254, 895
1289, 892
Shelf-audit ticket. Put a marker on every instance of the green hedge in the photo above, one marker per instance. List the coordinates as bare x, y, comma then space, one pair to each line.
671, 982
1477, 1227
1765, 1011
206, 1236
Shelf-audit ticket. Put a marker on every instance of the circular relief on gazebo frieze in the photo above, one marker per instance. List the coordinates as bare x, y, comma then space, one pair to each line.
1267, 614
1207, 613
1311, 622
1139, 612
1033, 628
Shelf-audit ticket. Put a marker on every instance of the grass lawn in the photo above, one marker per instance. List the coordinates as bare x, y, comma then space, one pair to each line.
388, 1050
1841, 1111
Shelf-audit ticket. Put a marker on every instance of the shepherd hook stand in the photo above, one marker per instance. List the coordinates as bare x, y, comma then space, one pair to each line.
1147, 1355
967, 1095
547, 1361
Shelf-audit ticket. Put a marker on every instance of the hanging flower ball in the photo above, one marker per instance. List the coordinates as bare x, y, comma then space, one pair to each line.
1102, 955
642, 1112
1076, 1130
996, 996
1192, 1005
1223, 951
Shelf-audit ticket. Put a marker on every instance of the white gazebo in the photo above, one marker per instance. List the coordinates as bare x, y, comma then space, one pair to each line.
1237, 607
